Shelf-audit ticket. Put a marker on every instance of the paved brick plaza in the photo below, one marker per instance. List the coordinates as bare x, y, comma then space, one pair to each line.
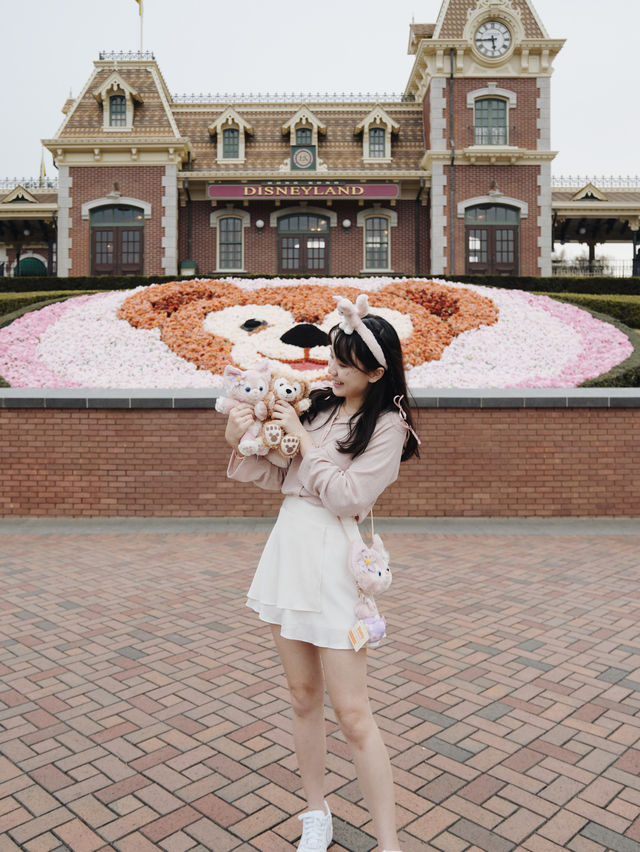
142, 707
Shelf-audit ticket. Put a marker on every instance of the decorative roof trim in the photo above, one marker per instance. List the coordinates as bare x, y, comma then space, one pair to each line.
27, 197
304, 116
589, 189
115, 81
378, 116
231, 117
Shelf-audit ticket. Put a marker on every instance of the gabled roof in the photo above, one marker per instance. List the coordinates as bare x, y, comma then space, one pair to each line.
378, 116
304, 116
589, 193
143, 81
454, 13
416, 33
115, 82
229, 116
19, 193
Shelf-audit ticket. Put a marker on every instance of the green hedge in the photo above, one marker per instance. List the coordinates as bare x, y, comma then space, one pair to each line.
626, 309
561, 284
11, 303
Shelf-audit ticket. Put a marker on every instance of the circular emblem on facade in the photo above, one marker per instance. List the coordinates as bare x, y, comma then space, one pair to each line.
303, 158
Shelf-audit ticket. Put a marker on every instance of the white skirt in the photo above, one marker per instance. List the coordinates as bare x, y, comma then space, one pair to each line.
302, 581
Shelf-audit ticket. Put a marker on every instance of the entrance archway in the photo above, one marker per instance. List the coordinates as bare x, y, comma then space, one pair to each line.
303, 244
492, 239
117, 239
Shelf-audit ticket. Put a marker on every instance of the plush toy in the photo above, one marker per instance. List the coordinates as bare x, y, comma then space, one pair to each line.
247, 387
295, 391
367, 612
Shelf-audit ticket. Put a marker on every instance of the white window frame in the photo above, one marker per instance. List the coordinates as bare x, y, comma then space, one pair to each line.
492, 90
230, 213
115, 85
381, 119
230, 120
361, 221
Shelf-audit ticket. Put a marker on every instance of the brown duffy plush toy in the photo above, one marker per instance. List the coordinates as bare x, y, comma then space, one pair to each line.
295, 391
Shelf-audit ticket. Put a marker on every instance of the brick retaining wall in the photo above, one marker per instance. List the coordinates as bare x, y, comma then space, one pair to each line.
496, 455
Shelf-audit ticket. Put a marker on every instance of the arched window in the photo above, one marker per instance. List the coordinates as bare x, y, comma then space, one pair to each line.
230, 242
492, 238
490, 122
377, 142
304, 136
117, 111
376, 242
117, 239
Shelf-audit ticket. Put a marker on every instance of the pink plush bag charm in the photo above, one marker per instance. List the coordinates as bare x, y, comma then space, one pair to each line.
370, 569
370, 565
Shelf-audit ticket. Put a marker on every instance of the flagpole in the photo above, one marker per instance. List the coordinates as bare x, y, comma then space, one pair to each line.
141, 22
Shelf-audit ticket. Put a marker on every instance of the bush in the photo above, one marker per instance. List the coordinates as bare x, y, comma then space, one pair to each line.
11, 303
560, 284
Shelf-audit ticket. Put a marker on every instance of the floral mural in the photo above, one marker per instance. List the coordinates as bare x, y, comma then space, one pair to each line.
182, 334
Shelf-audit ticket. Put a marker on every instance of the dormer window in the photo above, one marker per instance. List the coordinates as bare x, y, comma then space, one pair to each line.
118, 100
303, 130
377, 142
376, 129
231, 131
231, 143
117, 111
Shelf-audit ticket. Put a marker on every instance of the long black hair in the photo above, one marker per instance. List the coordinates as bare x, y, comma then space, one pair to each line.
352, 350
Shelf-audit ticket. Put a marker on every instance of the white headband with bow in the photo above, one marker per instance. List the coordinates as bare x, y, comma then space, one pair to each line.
352, 321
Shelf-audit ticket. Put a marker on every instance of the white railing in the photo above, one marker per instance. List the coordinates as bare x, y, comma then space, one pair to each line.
29, 183
602, 181
289, 97
125, 55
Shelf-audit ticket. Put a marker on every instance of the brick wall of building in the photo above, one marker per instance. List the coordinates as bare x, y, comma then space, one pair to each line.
141, 182
501, 463
346, 248
522, 119
519, 182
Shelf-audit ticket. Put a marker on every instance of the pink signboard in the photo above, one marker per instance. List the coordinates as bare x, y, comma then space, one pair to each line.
315, 191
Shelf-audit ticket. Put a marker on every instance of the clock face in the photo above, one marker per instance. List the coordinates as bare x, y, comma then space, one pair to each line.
493, 39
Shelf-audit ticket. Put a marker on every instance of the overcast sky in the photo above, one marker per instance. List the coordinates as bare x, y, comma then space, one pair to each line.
288, 45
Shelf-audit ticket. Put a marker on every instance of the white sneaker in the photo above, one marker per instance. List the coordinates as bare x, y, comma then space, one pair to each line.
317, 830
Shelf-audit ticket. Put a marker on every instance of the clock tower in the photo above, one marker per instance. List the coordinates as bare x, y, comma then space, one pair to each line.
482, 73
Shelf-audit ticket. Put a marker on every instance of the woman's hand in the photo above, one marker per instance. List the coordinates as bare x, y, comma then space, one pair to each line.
239, 420
286, 416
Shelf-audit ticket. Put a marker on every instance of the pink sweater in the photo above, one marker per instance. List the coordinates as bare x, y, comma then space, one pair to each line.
345, 486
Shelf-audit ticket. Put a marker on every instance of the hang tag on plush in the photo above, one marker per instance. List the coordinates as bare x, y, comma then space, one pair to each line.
359, 635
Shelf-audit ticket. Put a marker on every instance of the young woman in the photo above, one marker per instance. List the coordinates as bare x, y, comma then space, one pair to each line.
352, 441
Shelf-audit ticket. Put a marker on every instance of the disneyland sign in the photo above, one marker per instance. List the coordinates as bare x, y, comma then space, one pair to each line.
232, 191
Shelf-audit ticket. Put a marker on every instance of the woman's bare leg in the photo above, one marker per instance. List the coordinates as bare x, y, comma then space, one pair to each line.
345, 673
303, 670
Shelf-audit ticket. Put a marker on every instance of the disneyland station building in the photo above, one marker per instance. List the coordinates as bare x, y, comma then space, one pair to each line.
452, 177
